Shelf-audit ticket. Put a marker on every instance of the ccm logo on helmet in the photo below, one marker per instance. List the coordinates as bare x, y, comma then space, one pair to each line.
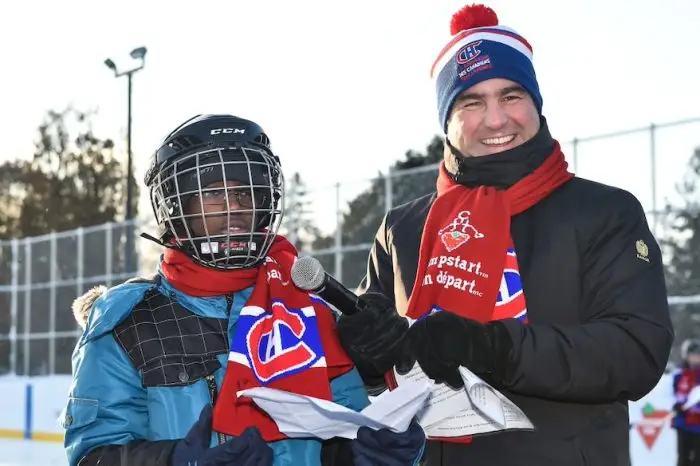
227, 131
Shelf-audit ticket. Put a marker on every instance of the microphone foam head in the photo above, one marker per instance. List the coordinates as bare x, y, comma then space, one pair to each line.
308, 274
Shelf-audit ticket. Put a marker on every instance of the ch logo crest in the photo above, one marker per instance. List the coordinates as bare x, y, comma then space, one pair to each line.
510, 302
468, 53
278, 343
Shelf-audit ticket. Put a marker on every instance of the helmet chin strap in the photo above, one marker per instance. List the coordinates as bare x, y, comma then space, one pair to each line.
157, 241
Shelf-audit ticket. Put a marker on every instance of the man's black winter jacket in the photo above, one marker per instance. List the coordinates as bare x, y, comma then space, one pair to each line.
599, 331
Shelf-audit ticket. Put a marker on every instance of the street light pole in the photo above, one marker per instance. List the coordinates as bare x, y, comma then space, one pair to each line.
137, 54
129, 167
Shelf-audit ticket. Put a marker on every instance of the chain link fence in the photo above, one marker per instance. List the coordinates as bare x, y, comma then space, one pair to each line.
41, 276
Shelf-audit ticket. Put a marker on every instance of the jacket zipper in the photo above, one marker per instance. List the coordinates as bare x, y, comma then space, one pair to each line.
211, 382
213, 394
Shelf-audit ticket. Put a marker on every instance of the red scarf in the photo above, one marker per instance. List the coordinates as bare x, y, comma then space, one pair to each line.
466, 246
196, 280
284, 338
687, 379
466, 236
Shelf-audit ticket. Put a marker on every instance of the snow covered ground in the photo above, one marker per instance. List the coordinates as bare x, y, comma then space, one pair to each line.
49, 396
31, 453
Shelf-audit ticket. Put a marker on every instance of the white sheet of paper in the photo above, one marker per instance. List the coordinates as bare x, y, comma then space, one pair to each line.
475, 409
483, 397
304, 416
693, 398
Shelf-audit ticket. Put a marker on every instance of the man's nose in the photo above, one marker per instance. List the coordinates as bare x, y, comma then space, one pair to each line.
496, 116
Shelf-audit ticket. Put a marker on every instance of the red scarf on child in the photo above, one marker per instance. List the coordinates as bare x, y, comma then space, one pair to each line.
284, 338
466, 236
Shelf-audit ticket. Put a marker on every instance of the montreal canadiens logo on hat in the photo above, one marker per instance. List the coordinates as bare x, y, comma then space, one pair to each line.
471, 60
468, 53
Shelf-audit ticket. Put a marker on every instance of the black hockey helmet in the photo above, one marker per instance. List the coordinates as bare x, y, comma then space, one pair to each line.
215, 159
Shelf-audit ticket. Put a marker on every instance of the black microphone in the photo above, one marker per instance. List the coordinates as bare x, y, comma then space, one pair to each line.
308, 275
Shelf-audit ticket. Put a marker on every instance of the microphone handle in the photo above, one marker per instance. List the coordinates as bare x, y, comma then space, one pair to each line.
339, 296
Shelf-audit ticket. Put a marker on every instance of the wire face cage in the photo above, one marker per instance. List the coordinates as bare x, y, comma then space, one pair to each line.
222, 206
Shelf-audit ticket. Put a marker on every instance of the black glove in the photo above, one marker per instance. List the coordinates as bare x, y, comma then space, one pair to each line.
678, 408
372, 336
249, 449
443, 341
386, 448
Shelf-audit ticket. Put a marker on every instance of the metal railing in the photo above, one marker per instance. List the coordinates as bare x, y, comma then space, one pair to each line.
41, 276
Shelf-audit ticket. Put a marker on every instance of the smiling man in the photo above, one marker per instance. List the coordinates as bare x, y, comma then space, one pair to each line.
491, 117
565, 310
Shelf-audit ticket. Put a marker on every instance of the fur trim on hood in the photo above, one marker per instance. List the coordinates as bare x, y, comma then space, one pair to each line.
83, 304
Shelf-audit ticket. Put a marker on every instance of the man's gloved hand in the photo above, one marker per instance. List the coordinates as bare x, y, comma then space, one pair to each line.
386, 448
443, 341
249, 449
372, 336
